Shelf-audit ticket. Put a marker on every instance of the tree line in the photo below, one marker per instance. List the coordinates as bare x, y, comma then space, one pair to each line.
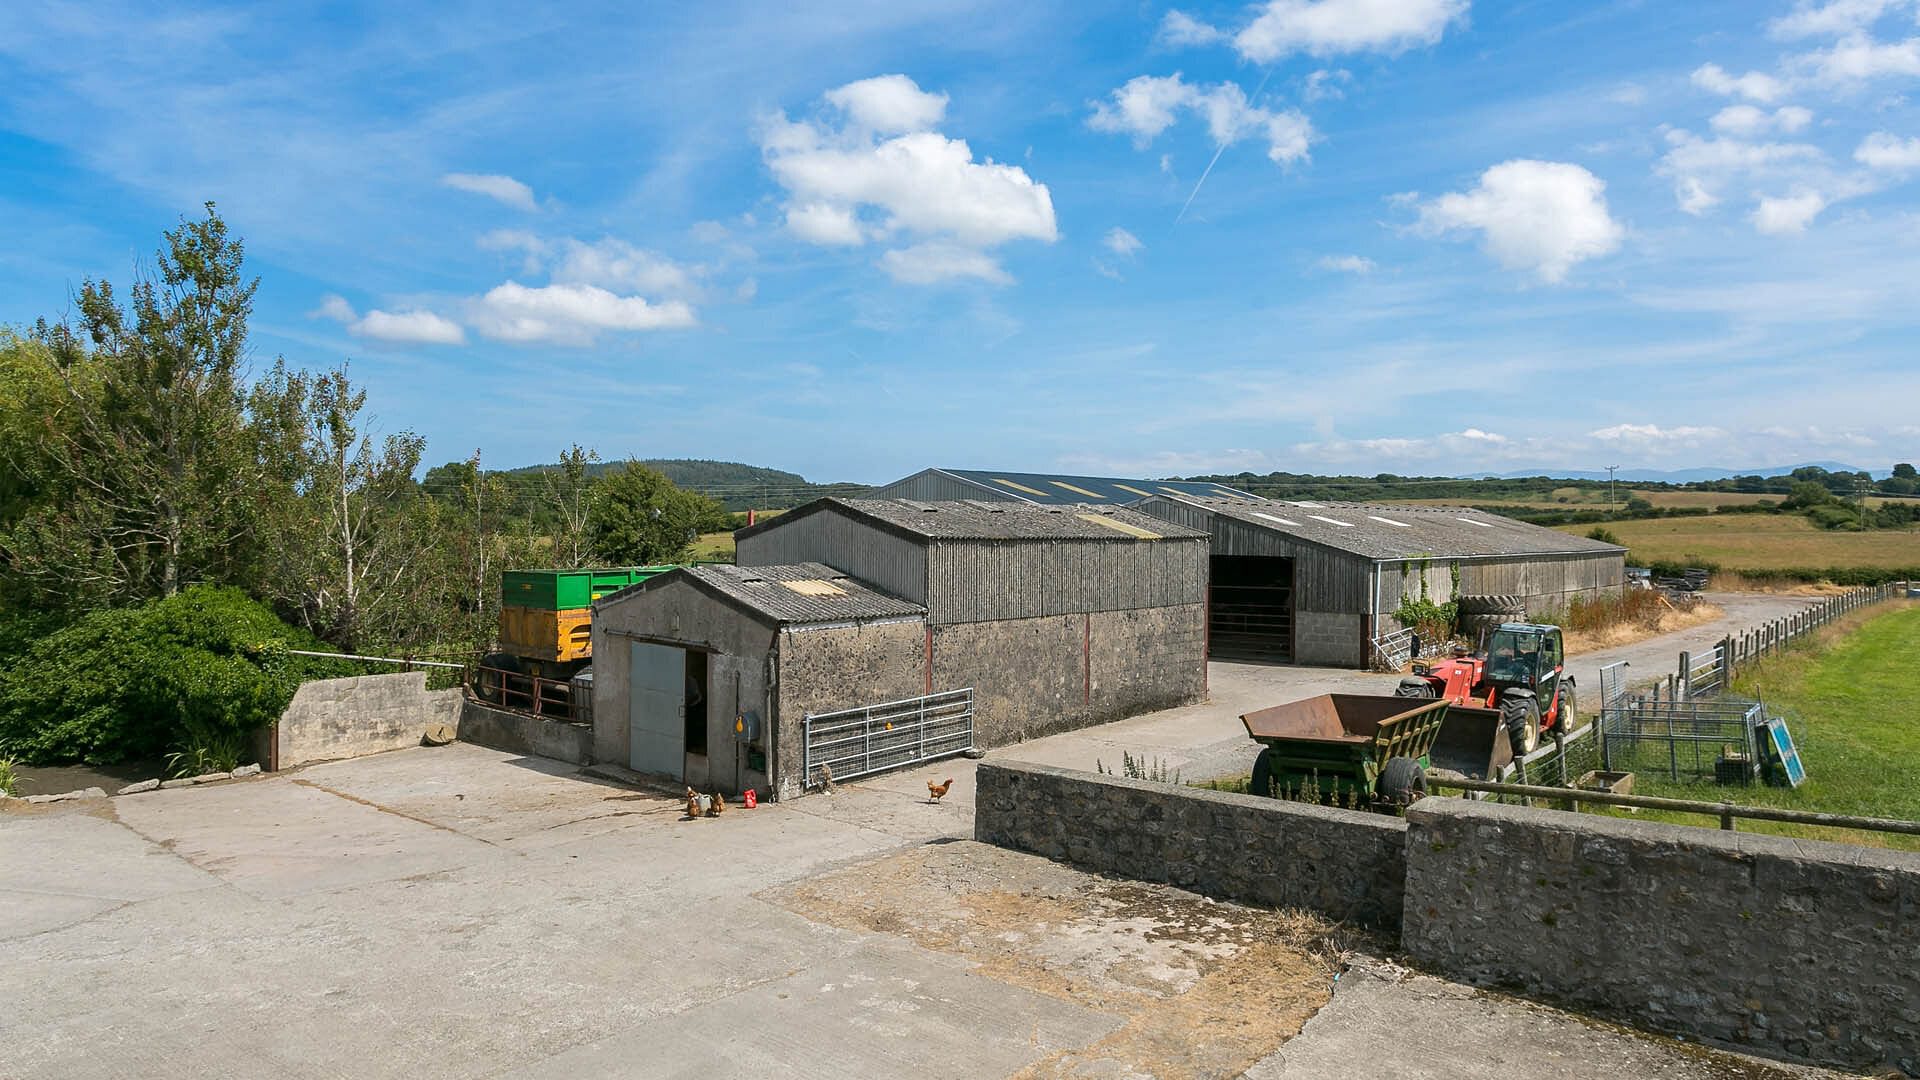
143, 454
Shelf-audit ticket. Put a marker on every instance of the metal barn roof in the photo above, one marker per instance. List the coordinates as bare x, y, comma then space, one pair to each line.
980, 519
796, 594
1058, 489
804, 593
1403, 532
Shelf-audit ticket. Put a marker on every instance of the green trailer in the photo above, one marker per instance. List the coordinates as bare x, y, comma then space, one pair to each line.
569, 590
1353, 749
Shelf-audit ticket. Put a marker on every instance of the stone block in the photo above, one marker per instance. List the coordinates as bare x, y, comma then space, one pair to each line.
137, 788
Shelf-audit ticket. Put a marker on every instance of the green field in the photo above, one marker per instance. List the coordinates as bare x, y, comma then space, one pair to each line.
1759, 542
1850, 705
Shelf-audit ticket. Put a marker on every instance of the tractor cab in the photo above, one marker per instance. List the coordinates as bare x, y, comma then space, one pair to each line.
1524, 655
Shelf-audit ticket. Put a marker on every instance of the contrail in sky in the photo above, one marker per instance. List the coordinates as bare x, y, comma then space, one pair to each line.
1208, 171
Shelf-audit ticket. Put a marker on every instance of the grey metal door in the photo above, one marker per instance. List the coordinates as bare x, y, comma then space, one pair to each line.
656, 704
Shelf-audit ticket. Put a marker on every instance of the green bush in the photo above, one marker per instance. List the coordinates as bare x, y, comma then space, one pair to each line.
194, 674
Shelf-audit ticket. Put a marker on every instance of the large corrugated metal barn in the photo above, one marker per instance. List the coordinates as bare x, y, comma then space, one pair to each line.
1057, 617
1044, 489
1314, 583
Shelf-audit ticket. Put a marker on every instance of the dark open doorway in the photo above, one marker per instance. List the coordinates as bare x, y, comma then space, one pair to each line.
1250, 608
696, 703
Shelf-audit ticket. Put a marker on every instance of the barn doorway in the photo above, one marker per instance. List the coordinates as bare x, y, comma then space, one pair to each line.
1250, 608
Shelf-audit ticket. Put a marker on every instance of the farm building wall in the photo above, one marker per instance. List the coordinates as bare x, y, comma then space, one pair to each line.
739, 650
894, 563
990, 580
1547, 583
1032, 677
823, 669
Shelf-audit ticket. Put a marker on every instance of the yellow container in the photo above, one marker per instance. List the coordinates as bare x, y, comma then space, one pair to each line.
557, 636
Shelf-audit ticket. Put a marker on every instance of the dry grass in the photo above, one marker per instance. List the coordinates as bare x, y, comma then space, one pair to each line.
713, 547
1760, 542
1635, 615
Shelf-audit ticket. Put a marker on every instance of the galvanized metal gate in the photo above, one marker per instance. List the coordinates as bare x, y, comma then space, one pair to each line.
862, 741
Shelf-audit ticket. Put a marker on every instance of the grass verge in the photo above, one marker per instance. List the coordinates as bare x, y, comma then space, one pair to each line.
1849, 696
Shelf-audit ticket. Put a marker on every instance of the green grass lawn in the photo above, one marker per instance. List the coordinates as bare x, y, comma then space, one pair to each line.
1853, 705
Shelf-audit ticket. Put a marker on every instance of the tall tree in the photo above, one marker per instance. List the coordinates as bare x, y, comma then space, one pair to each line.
570, 491
640, 517
152, 477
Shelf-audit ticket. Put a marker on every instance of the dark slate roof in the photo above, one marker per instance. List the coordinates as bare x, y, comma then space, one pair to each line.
1404, 532
1065, 489
801, 593
981, 519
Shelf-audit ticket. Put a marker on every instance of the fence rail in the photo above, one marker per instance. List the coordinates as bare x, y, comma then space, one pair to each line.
1762, 641
1726, 812
1392, 651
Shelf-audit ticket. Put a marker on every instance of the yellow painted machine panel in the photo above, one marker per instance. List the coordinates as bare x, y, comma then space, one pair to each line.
558, 636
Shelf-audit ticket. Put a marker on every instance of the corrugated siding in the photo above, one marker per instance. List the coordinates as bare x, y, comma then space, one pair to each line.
1542, 575
983, 581
1323, 579
895, 564
929, 485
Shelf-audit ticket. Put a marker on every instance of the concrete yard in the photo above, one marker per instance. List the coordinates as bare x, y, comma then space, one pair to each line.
456, 911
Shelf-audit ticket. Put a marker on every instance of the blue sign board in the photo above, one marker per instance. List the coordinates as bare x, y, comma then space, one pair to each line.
1785, 752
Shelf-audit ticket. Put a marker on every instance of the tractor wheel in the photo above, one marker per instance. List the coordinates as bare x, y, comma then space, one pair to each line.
1520, 715
1261, 783
1569, 715
1401, 782
487, 679
1493, 605
1411, 687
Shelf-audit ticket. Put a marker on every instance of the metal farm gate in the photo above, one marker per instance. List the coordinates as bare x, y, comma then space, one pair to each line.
869, 739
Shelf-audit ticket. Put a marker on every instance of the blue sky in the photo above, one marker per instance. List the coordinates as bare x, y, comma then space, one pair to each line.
1433, 236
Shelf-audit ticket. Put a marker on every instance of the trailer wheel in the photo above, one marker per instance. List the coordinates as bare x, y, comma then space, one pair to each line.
1520, 714
1412, 687
488, 680
1261, 783
1401, 782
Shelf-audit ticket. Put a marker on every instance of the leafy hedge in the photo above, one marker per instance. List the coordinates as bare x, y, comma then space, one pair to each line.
209, 665
1806, 575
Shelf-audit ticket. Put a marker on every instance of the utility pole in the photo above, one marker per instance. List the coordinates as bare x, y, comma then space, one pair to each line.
1611, 469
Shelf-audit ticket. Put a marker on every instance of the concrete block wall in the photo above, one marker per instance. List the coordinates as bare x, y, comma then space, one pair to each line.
1342, 863
1785, 946
1329, 639
840, 667
518, 733
330, 719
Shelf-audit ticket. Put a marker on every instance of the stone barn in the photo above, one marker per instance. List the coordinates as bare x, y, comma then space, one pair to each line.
1313, 583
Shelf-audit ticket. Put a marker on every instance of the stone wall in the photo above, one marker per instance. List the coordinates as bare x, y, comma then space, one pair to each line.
840, 667
1342, 863
1785, 946
518, 733
330, 719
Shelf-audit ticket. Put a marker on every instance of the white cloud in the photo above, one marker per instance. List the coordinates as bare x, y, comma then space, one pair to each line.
1121, 242
826, 224
934, 262
1787, 214
1754, 85
1347, 264
409, 327
1832, 19
1476, 435
1859, 58
1748, 121
1700, 167
1326, 85
1178, 29
884, 175
1654, 433
889, 105
1889, 153
569, 313
1148, 105
503, 189
1331, 27
1542, 216
618, 265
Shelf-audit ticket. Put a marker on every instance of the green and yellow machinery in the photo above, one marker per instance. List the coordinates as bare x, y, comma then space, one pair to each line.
546, 633
1369, 750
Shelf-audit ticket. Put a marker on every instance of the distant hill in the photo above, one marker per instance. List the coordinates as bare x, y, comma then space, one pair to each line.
736, 485
1678, 476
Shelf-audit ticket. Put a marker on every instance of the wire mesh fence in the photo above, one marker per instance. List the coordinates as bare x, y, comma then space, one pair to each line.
1690, 739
